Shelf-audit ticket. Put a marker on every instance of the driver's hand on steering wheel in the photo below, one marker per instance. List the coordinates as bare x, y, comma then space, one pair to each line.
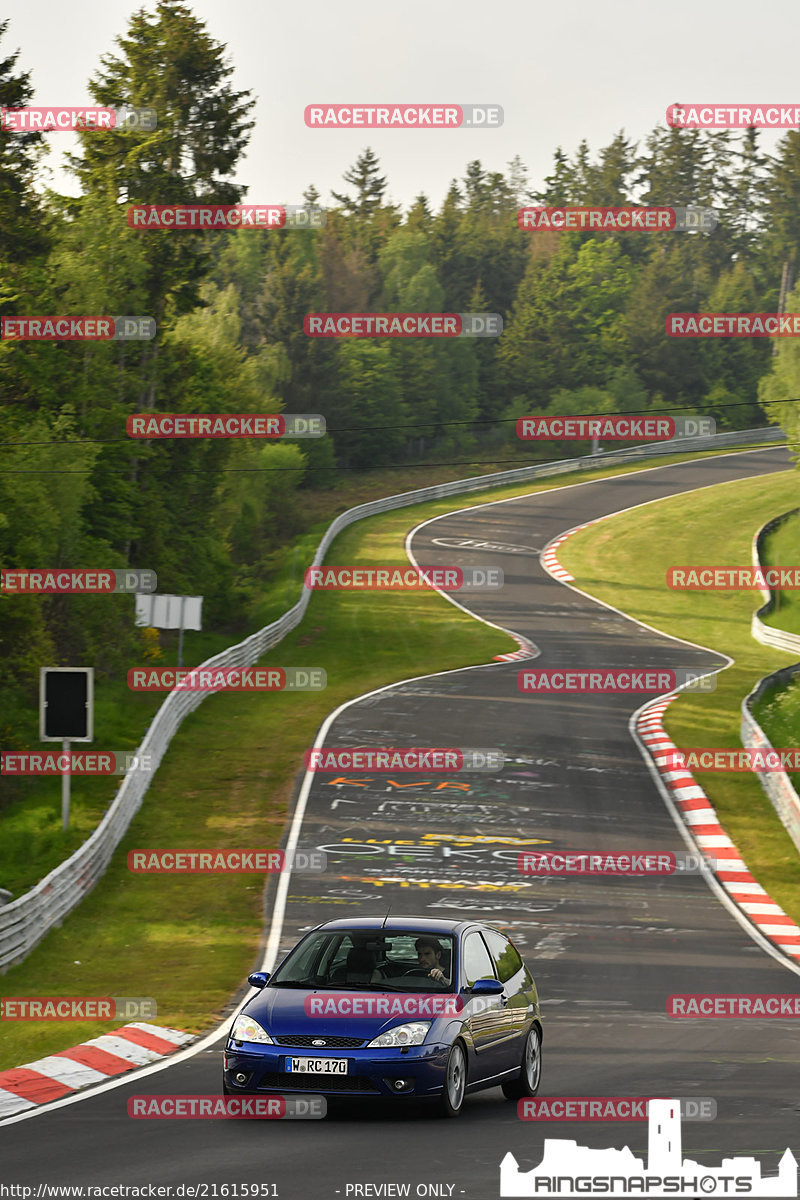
438, 974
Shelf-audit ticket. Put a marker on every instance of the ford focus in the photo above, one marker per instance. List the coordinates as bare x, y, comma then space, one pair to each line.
391, 1009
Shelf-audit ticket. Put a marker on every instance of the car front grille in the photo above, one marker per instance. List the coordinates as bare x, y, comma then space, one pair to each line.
308, 1039
286, 1081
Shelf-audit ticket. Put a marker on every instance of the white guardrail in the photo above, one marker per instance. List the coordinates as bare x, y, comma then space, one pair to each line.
26, 920
776, 784
768, 635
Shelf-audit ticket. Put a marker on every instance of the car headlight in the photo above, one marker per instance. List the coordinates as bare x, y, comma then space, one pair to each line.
245, 1029
412, 1034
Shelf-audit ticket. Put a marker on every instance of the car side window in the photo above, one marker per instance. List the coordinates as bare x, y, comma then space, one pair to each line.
339, 956
506, 959
477, 963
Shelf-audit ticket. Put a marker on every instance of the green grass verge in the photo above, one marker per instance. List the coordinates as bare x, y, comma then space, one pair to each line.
778, 714
624, 561
227, 781
32, 842
782, 549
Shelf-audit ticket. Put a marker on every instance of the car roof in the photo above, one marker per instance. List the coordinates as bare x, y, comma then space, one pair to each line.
398, 924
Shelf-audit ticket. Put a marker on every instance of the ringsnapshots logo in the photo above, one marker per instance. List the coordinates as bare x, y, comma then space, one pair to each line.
616, 428
568, 1169
225, 425
228, 679
77, 329
60, 582
610, 1108
77, 1008
614, 681
614, 862
403, 579
402, 325
227, 1108
74, 762
225, 862
74, 120
403, 116
737, 325
630, 219
696, 578
413, 758
733, 116
210, 217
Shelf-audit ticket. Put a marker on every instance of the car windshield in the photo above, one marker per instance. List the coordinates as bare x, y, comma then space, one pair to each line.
369, 960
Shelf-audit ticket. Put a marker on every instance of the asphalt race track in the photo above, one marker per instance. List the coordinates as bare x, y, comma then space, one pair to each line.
606, 954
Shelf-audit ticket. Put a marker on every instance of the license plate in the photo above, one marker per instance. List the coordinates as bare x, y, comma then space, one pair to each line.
318, 1066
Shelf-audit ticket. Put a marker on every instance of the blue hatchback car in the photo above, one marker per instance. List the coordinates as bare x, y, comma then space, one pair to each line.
391, 1008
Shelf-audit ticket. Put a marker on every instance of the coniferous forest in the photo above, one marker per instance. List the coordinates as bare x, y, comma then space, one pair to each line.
583, 331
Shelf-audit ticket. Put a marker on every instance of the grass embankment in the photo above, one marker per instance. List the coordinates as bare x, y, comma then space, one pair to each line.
782, 549
32, 842
227, 781
624, 561
778, 710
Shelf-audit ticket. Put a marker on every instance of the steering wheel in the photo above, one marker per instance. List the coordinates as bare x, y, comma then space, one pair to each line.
417, 971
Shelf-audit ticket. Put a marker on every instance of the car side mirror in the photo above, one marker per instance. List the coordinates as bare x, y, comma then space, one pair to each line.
258, 979
487, 987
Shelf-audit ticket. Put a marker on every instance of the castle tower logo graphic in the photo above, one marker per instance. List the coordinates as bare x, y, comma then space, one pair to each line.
568, 1169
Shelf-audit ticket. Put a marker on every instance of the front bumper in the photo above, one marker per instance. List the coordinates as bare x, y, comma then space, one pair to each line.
420, 1071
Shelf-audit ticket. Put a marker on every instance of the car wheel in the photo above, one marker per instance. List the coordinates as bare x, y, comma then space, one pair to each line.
530, 1072
455, 1081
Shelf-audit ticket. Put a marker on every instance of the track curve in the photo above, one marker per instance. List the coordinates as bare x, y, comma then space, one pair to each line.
606, 953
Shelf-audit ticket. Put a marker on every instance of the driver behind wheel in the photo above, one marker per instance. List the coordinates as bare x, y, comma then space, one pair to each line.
429, 954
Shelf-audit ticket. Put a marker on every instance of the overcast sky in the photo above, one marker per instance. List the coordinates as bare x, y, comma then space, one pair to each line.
562, 71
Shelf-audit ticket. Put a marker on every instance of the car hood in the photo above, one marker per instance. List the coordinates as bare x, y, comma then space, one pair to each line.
283, 1011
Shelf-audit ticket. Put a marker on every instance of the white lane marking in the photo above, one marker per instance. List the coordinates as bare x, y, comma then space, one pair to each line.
279, 907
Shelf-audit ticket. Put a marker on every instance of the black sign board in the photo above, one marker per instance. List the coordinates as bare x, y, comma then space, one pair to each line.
66, 697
